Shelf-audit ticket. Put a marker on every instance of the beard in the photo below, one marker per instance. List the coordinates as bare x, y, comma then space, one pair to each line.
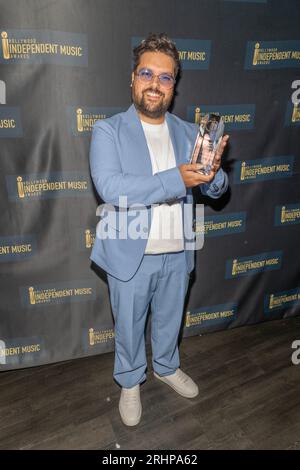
151, 110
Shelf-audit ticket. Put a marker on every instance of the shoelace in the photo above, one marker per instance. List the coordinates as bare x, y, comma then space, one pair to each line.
130, 397
181, 376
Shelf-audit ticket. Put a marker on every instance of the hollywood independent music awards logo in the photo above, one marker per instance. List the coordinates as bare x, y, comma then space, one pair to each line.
43, 46
48, 185
270, 168
58, 292
272, 54
211, 315
81, 119
235, 116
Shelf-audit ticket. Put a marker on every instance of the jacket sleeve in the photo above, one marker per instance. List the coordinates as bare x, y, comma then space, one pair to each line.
217, 187
111, 182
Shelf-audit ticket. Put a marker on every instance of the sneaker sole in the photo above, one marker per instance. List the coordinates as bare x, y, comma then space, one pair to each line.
175, 388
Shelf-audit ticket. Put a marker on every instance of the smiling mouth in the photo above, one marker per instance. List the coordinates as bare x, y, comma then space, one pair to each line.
153, 95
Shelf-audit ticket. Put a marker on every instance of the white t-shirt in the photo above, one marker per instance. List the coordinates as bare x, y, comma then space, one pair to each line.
166, 232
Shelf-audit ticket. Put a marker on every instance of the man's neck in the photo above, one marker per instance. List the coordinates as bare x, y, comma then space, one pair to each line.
149, 120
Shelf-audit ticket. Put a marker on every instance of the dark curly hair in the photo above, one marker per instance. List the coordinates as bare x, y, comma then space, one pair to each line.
156, 43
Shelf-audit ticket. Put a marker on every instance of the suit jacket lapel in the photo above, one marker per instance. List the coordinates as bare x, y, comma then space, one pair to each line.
177, 139
138, 156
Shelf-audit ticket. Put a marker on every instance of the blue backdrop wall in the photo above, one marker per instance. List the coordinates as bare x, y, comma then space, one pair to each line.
65, 64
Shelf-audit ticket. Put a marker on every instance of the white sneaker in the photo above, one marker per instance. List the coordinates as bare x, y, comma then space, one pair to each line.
130, 405
181, 383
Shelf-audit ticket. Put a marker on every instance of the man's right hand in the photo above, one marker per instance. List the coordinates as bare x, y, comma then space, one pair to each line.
191, 177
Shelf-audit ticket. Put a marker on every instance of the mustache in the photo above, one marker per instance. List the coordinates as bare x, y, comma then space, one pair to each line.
154, 90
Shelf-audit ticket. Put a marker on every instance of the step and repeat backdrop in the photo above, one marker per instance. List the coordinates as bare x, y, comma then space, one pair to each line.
64, 65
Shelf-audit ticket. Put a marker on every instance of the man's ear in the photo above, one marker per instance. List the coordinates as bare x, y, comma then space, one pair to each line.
132, 78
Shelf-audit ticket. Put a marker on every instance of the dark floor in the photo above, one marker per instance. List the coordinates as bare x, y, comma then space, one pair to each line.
249, 398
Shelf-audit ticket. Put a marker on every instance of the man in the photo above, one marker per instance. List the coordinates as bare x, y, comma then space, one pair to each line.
142, 156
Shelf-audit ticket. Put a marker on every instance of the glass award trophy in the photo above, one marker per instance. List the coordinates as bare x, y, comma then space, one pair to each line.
209, 136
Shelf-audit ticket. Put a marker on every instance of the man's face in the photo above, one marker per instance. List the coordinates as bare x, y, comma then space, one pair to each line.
152, 99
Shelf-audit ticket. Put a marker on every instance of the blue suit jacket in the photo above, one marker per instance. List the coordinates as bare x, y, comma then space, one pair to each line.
121, 166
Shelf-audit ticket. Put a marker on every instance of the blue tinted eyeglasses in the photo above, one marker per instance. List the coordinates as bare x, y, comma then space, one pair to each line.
146, 76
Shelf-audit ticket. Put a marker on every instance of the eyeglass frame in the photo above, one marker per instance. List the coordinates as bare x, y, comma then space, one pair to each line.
154, 76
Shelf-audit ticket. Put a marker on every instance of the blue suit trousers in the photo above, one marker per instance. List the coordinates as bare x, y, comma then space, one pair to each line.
161, 281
